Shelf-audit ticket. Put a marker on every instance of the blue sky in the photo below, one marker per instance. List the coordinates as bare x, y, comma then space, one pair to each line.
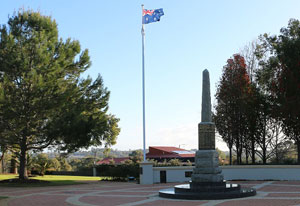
193, 35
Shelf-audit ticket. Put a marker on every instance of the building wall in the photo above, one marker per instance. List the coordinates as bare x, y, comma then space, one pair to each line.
174, 174
263, 172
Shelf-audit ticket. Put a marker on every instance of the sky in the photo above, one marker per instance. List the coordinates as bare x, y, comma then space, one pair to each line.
193, 35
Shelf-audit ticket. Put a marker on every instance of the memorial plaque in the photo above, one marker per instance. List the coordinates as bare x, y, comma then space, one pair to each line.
206, 134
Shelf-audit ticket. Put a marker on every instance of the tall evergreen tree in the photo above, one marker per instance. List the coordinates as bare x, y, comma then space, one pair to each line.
43, 100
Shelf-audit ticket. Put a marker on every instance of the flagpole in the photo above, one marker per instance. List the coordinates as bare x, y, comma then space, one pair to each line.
143, 77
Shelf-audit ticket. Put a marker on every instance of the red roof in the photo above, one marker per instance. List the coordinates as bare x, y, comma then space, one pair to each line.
117, 160
169, 152
167, 149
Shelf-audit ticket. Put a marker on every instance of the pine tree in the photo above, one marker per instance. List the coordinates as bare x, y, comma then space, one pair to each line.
43, 100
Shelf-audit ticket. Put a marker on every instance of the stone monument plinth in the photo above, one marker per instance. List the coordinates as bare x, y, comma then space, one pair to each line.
206, 158
207, 181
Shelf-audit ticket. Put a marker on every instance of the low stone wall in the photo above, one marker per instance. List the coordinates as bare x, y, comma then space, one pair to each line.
236, 172
261, 172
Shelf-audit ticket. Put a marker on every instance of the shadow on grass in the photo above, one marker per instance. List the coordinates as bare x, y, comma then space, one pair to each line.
37, 183
1, 197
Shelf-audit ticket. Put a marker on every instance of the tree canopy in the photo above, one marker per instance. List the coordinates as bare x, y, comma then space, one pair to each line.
44, 101
232, 96
281, 77
254, 114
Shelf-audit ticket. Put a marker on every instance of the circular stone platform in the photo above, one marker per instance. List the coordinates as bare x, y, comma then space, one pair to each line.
213, 193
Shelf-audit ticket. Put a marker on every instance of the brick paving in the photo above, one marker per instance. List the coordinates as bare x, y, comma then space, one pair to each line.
269, 193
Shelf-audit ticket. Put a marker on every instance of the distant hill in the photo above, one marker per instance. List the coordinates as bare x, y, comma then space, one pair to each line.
99, 153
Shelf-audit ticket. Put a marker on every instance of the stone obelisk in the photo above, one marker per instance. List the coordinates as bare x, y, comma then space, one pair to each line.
207, 181
206, 160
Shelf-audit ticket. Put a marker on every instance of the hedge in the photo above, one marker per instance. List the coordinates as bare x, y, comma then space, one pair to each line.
118, 171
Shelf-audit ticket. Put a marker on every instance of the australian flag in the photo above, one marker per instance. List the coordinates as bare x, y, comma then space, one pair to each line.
150, 16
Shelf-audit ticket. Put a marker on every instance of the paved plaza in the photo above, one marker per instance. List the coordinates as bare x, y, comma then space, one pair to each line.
269, 193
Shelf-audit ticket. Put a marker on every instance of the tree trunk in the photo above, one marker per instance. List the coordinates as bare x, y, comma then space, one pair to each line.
264, 157
13, 166
239, 153
253, 149
298, 151
264, 148
1, 166
2, 163
247, 156
240, 156
276, 151
237, 156
237, 145
230, 155
23, 161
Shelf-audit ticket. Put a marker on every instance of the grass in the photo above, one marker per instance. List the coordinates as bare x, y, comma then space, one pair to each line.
65, 177
50, 180
6, 177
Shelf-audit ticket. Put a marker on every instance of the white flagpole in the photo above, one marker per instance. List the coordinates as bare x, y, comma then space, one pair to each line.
143, 62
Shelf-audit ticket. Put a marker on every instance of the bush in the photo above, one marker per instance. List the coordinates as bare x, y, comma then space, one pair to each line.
170, 163
122, 171
175, 162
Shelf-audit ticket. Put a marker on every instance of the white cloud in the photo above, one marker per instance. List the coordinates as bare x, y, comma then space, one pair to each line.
185, 136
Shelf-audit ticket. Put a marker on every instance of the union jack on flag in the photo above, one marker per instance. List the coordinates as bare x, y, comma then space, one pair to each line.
150, 16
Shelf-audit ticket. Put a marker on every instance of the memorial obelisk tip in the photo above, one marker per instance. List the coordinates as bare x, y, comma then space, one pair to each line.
206, 128
206, 100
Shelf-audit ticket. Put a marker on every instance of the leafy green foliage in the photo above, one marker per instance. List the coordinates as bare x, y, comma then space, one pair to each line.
287, 153
42, 163
63, 164
232, 97
281, 77
56, 164
75, 164
43, 100
174, 162
136, 156
121, 171
83, 163
170, 163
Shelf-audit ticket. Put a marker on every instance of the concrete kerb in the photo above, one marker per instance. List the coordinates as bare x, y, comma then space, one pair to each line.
4, 202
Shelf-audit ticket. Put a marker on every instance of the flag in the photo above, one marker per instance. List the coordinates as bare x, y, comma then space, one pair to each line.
150, 16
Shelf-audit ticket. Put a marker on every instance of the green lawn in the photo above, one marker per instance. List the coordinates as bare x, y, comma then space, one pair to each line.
53, 180
5, 177
55, 177
65, 177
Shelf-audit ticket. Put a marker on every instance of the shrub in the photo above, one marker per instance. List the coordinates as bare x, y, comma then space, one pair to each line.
122, 171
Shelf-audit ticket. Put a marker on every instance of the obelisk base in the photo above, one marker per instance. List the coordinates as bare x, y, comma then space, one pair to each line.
207, 167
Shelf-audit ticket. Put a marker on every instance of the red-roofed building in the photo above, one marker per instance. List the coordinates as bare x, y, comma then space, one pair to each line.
167, 153
116, 160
